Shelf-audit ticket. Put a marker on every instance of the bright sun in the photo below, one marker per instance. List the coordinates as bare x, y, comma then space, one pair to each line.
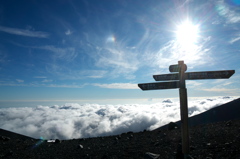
187, 35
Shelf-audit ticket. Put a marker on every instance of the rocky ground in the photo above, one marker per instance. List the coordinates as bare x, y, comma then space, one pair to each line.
213, 140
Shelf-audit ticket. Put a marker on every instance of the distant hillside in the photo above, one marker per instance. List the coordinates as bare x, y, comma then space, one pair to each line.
228, 111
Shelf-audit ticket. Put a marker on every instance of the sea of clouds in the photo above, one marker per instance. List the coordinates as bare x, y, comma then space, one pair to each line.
91, 120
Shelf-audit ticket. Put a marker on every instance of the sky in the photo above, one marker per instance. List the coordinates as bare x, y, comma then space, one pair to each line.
90, 51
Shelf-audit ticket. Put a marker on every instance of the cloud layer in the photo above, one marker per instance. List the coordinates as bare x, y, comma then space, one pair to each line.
90, 120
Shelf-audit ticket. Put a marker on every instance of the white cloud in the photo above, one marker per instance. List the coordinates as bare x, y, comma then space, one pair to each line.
15, 31
68, 32
229, 12
117, 85
46, 80
90, 120
193, 84
44, 83
39, 77
219, 90
65, 72
118, 59
65, 85
233, 40
67, 54
19, 80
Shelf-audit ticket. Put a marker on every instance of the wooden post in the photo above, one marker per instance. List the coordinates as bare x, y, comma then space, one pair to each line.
183, 109
182, 76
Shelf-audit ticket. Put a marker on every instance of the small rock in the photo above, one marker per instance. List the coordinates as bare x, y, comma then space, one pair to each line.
227, 144
156, 144
149, 155
189, 157
80, 146
4, 138
228, 123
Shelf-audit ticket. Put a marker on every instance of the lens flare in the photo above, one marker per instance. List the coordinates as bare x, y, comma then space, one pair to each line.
39, 142
111, 39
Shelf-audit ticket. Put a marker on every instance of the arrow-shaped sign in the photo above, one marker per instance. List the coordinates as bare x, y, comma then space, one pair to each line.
196, 75
209, 75
158, 85
166, 77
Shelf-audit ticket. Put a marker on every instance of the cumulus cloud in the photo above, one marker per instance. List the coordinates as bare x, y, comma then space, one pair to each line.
167, 101
90, 120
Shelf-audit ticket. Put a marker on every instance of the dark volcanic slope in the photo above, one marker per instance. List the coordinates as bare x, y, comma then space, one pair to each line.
228, 111
211, 140
13, 135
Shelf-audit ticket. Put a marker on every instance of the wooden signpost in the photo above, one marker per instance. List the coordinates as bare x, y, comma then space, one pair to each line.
177, 80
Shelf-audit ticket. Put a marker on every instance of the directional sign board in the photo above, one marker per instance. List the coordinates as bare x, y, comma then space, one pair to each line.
196, 75
209, 75
166, 77
158, 85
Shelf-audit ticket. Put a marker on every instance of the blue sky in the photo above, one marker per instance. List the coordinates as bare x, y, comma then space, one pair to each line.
92, 51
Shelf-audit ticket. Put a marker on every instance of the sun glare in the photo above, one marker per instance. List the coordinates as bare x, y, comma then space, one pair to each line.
187, 35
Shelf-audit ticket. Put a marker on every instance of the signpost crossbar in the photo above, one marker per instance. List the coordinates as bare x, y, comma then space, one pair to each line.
225, 74
209, 75
158, 85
